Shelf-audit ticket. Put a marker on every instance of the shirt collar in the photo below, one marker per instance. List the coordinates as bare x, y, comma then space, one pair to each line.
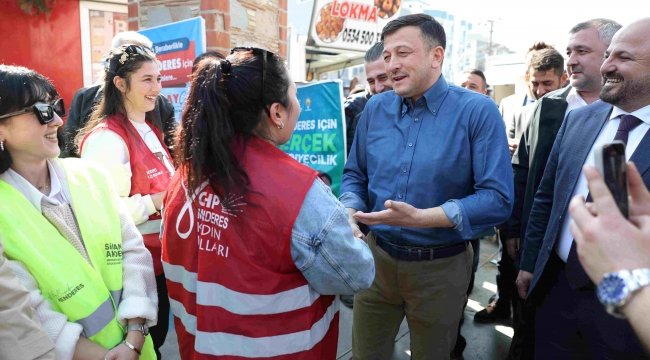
433, 97
529, 100
574, 96
643, 113
32, 194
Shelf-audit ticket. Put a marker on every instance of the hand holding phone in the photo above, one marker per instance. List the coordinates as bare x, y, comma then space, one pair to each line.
611, 163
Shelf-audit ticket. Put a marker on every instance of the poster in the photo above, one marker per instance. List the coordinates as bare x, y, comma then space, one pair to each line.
176, 46
351, 25
318, 140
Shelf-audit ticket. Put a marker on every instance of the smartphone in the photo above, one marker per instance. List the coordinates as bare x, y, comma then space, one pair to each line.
610, 161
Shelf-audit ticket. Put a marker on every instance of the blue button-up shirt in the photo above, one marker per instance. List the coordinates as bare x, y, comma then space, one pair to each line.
448, 150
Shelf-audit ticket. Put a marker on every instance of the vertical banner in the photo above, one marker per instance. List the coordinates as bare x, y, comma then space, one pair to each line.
176, 46
319, 137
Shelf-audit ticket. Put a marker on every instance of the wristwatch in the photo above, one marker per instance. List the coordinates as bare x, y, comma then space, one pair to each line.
143, 328
616, 289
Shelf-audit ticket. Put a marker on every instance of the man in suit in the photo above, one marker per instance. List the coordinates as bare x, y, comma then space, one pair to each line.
587, 42
86, 98
570, 321
546, 74
510, 104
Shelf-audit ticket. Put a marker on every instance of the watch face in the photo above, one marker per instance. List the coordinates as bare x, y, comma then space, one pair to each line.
612, 290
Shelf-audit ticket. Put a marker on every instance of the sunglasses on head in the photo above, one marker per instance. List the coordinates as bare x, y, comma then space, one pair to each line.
264, 53
44, 112
131, 51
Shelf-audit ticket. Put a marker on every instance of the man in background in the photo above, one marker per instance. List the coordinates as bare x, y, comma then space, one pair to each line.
509, 105
86, 98
546, 74
378, 82
474, 79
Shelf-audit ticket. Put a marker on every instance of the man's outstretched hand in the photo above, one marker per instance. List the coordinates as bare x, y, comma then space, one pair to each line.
396, 214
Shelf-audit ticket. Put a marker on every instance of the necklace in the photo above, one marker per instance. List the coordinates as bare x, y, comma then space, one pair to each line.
46, 185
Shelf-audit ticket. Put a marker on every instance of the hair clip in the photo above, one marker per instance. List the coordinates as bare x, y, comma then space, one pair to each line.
225, 66
124, 58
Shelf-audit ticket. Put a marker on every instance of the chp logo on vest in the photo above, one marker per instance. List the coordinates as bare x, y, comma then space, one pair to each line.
212, 214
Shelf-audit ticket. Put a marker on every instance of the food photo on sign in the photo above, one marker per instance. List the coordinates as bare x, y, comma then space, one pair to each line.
352, 25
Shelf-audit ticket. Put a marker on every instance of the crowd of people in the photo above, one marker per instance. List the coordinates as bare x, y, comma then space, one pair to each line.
123, 214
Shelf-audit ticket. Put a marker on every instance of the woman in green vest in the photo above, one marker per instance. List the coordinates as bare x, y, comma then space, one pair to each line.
67, 235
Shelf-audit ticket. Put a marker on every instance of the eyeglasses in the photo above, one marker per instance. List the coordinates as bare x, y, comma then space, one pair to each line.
264, 53
44, 112
129, 52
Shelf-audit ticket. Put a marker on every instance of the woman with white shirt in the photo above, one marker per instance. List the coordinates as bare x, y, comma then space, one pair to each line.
69, 239
123, 136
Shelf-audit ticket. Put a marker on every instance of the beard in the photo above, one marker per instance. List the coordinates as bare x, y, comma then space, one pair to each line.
628, 90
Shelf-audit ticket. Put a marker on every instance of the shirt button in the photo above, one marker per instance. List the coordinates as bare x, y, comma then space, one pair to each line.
410, 144
399, 196
416, 119
434, 111
404, 170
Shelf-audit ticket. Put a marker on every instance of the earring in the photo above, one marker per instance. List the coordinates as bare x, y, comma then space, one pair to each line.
2, 146
281, 127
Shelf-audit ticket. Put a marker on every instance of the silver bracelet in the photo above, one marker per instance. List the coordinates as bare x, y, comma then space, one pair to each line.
130, 346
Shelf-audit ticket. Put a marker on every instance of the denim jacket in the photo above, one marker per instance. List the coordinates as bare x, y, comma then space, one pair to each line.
323, 248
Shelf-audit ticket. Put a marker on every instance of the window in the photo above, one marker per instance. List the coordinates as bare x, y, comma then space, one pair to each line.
99, 23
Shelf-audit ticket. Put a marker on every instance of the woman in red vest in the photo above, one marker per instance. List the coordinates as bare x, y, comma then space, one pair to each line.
255, 247
123, 136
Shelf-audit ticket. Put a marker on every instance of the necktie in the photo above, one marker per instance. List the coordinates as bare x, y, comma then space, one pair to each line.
576, 275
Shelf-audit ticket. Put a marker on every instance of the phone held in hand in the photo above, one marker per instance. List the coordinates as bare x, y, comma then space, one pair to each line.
611, 163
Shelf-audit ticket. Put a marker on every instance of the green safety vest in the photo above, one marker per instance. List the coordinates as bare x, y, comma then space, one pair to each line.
87, 295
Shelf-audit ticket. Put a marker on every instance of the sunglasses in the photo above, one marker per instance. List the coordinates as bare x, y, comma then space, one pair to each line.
44, 112
264, 53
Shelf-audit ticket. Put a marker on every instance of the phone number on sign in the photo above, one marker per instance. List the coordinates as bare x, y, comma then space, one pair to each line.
359, 36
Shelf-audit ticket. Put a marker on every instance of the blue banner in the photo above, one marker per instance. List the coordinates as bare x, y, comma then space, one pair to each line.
176, 46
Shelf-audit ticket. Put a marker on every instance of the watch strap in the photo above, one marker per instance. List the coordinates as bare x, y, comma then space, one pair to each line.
642, 277
142, 328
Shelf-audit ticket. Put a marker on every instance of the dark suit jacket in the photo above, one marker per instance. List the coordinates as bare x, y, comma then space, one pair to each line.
82, 104
572, 145
532, 154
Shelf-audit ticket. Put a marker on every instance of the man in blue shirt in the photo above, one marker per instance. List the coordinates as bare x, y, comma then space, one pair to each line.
429, 169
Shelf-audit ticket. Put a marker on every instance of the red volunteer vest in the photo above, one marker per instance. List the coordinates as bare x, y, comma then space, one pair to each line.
149, 174
234, 288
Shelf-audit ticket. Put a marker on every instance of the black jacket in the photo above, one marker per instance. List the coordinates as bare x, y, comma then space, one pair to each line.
81, 107
353, 106
533, 152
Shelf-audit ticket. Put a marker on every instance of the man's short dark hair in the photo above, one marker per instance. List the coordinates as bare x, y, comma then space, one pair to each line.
478, 73
547, 59
374, 53
540, 45
606, 28
433, 34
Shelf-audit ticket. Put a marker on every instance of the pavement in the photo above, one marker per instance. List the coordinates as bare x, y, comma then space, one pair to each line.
484, 341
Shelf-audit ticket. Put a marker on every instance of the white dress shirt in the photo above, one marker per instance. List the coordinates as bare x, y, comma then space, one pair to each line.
606, 135
574, 101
